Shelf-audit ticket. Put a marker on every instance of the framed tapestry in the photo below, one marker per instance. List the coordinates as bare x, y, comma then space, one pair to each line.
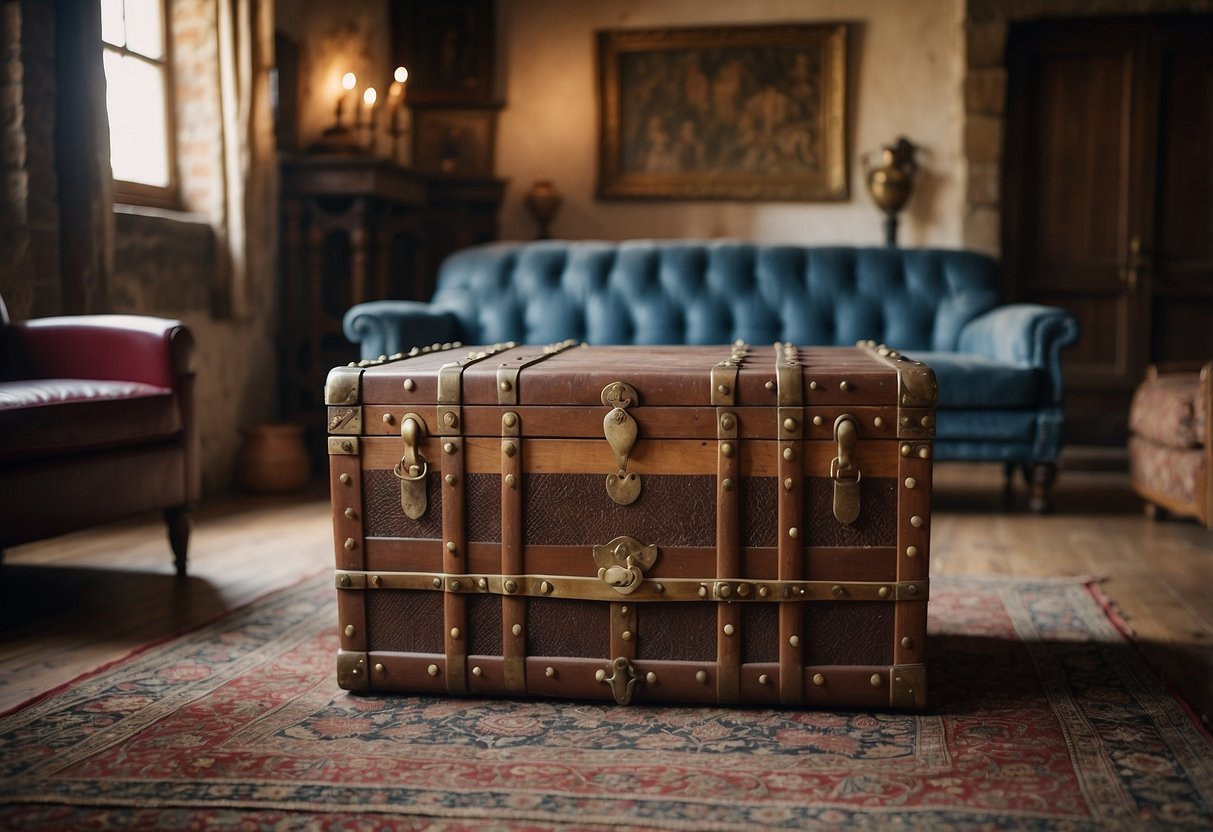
757, 113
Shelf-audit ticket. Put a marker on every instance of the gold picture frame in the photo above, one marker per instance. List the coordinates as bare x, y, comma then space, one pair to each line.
745, 113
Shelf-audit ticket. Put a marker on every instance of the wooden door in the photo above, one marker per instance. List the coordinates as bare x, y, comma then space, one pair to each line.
1108, 183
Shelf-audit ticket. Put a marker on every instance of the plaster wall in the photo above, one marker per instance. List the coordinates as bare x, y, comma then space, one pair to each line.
907, 65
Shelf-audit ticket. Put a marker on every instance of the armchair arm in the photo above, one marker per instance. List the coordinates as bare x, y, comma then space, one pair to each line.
141, 348
1023, 333
386, 327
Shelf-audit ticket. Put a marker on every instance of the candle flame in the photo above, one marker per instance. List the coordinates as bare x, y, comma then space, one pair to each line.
349, 80
369, 96
401, 74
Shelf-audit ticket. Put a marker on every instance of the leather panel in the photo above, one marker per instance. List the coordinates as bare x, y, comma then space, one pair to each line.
574, 510
676, 632
759, 512
760, 633
848, 632
482, 513
558, 627
385, 518
484, 625
877, 522
404, 621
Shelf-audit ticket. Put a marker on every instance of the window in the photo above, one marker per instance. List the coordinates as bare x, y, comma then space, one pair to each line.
137, 90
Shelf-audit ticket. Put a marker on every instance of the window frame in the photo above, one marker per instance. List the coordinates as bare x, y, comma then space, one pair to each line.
127, 192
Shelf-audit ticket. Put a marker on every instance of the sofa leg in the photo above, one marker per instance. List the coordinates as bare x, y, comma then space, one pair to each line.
180, 523
1044, 474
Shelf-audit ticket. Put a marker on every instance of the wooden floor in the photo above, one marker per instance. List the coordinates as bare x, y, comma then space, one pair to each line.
70, 605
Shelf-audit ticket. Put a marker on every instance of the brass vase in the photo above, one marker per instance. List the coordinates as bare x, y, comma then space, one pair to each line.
543, 200
892, 183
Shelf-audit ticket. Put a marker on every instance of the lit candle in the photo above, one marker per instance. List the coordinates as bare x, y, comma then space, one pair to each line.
368, 98
347, 83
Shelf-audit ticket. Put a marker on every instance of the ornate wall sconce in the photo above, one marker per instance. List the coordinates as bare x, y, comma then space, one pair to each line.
892, 183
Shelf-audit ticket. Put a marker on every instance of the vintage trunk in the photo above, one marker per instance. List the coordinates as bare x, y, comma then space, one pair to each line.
690, 524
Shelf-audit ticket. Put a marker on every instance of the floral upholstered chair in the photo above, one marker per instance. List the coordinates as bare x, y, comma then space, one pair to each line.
1171, 442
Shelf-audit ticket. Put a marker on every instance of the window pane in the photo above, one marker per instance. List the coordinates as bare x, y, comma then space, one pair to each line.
113, 30
138, 132
143, 28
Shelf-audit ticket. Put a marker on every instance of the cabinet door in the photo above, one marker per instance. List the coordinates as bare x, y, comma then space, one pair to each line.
1108, 185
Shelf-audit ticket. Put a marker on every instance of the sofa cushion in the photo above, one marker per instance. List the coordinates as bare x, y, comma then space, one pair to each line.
1169, 410
52, 417
974, 381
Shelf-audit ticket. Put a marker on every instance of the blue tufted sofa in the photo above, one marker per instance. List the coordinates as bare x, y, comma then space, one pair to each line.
998, 366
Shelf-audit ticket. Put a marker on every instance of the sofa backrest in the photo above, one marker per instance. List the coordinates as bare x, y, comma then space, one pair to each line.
713, 292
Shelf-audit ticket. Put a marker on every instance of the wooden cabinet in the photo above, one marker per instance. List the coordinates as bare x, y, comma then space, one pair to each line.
1109, 198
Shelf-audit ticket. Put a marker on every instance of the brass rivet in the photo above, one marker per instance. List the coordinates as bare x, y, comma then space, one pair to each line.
743, 590
818, 679
794, 641
476, 671
818, 421
376, 580
455, 633
349, 629
350, 543
659, 588
729, 629
907, 642
878, 422
912, 589
764, 679
726, 448
793, 532
787, 484
905, 421
727, 422
379, 668
509, 448
456, 585
550, 672
789, 424
905, 450
387, 418
837, 591
623, 610
448, 447
727, 485
701, 677
505, 386
651, 677
722, 389
911, 551
510, 586
516, 629
876, 680
344, 580
789, 453
482, 584
703, 592
626, 635
925, 421
509, 419
770, 385
812, 385
450, 479
345, 479
350, 514
437, 582
911, 482
409, 385
511, 481
916, 521
924, 453
883, 592
449, 419
844, 386
725, 591
432, 670
545, 587
347, 446
450, 546
763, 592
600, 675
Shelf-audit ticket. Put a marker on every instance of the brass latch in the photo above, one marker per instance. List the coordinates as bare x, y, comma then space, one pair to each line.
622, 562
620, 431
622, 680
412, 468
844, 470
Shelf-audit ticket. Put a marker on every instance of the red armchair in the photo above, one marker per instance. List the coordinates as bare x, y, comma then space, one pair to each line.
96, 424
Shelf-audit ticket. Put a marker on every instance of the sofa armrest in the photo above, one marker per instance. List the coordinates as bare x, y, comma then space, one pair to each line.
156, 351
1023, 333
387, 327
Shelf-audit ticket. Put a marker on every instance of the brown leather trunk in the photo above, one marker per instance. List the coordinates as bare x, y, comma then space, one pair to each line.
691, 524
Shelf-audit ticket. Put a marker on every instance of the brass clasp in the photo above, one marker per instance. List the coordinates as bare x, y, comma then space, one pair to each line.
620, 431
623, 680
412, 468
622, 563
844, 470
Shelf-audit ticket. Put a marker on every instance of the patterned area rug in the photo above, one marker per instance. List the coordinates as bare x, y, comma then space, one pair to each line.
1042, 717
